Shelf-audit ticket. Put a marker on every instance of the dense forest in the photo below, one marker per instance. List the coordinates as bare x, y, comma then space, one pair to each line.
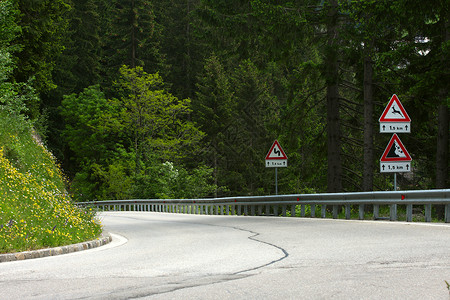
183, 98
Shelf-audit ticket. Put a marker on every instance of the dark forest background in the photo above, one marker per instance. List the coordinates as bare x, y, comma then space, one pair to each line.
183, 98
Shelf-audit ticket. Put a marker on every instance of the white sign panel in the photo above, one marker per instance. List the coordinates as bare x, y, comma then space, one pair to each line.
395, 167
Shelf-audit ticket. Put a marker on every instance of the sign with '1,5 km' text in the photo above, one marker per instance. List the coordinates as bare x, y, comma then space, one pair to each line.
276, 158
395, 157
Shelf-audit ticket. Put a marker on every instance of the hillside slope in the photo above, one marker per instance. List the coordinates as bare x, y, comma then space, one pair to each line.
35, 209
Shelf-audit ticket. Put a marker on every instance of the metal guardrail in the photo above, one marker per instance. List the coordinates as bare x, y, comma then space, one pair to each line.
289, 204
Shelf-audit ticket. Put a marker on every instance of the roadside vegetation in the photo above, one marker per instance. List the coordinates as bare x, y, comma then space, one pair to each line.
35, 209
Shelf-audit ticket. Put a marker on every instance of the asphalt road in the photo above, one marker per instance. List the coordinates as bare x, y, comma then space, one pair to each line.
174, 256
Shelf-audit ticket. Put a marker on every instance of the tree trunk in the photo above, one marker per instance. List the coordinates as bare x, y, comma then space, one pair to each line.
334, 179
368, 125
442, 148
442, 139
133, 35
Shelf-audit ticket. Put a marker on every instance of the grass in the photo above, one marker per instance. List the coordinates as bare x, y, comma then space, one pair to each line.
35, 209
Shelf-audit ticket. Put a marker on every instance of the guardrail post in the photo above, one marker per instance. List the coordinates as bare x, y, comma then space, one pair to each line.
409, 209
427, 212
335, 211
348, 211
283, 210
302, 210
239, 207
267, 209
361, 211
376, 211
313, 210
324, 211
447, 213
293, 210
252, 209
393, 212
245, 210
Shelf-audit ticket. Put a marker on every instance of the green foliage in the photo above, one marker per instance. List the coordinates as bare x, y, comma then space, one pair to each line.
86, 123
91, 131
36, 210
170, 182
242, 72
43, 24
120, 145
131, 36
8, 25
156, 119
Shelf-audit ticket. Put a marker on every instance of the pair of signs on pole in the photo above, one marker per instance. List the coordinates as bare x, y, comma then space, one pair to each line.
395, 158
395, 119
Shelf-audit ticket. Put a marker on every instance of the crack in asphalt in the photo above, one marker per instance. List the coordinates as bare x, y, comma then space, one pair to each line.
253, 238
222, 277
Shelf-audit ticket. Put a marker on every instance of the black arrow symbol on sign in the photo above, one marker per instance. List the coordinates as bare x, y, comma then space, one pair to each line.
406, 127
276, 151
407, 167
384, 127
382, 167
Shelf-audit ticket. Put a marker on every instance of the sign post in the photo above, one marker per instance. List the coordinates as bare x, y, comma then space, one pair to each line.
276, 158
395, 158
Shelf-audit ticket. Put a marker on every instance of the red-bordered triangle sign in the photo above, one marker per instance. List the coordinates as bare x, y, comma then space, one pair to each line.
395, 151
394, 112
276, 152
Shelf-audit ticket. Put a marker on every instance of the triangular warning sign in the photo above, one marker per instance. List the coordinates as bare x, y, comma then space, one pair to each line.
394, 112
276, 152
395, 151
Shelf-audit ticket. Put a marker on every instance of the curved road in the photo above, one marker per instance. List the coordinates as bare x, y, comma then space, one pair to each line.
175, 256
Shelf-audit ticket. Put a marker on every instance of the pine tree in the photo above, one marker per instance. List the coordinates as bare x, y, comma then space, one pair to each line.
131, 37
213, 108
43, 26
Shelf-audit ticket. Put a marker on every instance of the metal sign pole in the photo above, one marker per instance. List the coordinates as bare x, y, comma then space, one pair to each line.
395, 181
276, 181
